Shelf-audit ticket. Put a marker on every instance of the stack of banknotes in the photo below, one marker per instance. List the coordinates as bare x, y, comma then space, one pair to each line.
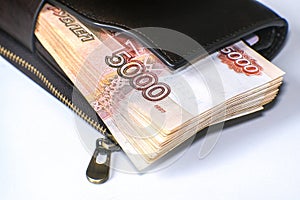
149, 108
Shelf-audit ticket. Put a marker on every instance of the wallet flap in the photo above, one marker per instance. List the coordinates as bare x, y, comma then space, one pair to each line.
212, 24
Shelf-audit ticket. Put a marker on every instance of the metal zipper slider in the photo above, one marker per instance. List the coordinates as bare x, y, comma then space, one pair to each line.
99, 167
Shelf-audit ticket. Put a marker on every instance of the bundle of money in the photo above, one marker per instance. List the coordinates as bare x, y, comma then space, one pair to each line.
149, 108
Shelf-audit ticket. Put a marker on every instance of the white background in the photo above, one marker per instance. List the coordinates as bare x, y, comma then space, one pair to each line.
42, 157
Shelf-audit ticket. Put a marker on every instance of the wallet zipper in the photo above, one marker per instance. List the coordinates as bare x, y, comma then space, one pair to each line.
96, 172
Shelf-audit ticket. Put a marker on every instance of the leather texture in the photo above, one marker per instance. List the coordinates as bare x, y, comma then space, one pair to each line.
213, 24
18, 17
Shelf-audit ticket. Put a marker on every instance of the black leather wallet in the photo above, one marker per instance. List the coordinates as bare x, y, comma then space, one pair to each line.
213, 24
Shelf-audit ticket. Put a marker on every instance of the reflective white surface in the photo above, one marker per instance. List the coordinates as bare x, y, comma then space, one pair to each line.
42, 156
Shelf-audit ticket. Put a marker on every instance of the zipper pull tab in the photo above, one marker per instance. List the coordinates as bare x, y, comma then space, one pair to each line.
99, 167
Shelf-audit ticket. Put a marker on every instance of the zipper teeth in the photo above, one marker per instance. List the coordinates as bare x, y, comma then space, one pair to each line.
13, 57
